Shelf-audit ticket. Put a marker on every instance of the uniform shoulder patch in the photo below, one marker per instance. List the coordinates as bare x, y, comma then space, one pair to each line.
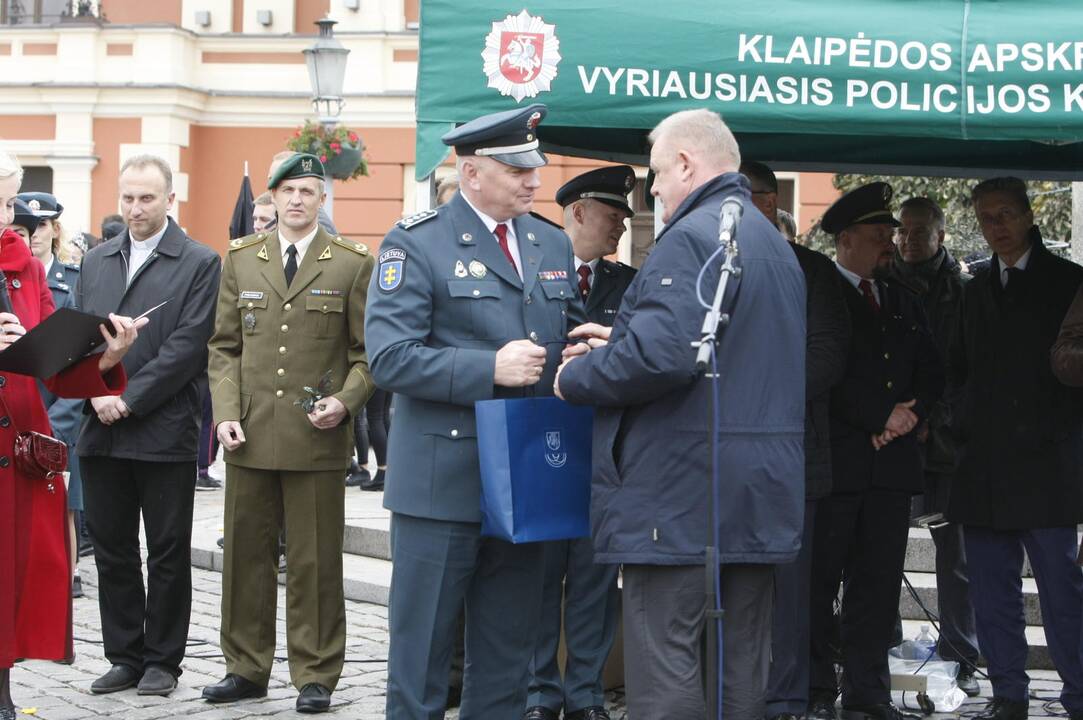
359, 248
392, 269
246, 241
73, 268
416, 219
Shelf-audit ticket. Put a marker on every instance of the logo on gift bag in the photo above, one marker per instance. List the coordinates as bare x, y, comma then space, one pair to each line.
554, 457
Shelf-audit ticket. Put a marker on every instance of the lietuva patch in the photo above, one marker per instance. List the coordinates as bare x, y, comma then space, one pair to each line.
392, 269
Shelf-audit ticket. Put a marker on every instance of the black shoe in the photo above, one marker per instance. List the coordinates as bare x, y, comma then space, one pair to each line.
77, 587
588, 713
221, 543
358, 478
232, 688
119, 677
314, 698
540, 712
822, 708
157, 681
376, 484
1002, 709
454, 696
967, 682
880, 711
206, 482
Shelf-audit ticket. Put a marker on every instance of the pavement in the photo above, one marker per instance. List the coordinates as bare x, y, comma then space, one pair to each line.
54, 691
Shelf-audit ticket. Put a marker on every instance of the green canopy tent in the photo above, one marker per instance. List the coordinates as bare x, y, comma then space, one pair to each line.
920, 87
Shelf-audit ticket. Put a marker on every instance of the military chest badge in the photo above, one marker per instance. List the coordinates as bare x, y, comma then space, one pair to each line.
392, 268
521, 56
552, 274
460, 269
249, 320
478, 269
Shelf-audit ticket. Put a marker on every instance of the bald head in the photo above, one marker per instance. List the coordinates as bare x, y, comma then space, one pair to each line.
688, 149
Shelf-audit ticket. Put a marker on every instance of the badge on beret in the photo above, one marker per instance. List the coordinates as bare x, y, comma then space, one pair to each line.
392, 267
478, 269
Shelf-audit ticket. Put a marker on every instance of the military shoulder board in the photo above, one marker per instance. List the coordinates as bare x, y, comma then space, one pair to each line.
416, 219
246, 241
359, 248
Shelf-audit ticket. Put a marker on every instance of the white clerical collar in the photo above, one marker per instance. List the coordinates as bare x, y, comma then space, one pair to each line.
301, 245
150, 244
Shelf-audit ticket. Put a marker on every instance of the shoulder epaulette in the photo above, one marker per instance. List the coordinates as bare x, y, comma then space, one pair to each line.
416, 219
69, 266
359, 248
547, 221
246, 241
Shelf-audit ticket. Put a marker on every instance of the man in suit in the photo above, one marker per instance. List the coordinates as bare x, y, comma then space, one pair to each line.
137, 451
893, 379
826, 347
472, 301
291, 315
1020, 450
595, 208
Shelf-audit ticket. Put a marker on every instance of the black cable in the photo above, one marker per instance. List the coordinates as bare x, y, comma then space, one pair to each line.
935, 621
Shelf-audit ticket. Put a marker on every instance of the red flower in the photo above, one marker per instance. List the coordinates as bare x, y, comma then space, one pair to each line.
297, 133
353, 137
336, 146
323, 158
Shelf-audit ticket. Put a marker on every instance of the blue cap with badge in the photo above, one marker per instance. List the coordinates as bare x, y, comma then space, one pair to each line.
609, 185
509, 137
25, 217
867, 205
42, 204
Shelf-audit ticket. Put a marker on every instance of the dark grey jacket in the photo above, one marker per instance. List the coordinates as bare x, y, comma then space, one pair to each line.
167, 366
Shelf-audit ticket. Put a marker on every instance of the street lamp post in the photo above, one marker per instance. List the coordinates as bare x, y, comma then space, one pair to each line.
326, 61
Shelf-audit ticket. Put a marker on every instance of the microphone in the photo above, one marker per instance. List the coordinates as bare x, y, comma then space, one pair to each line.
729, 218
5, 298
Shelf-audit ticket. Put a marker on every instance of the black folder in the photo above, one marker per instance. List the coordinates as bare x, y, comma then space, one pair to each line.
62, 339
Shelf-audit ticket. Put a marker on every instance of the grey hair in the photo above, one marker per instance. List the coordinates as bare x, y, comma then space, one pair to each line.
702, 131
143, 161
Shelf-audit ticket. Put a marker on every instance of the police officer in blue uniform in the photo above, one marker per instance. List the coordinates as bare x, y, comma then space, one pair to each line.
595, 209
469, 302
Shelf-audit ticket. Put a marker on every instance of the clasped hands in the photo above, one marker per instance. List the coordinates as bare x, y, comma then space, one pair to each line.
521, 362
901, 421
329, 412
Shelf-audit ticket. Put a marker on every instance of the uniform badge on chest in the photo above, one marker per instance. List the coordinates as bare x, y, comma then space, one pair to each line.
460, 269
250, 321
478, 269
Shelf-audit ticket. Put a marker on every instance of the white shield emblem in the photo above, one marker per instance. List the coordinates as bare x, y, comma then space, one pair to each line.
554, 457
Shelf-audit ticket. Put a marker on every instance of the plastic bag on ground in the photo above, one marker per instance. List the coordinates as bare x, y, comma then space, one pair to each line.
940, 677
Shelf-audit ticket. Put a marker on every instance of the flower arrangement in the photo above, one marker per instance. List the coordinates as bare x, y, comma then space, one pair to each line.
338, 148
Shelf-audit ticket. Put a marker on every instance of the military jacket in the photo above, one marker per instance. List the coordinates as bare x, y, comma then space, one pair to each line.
611, 279
270, 342
443, 301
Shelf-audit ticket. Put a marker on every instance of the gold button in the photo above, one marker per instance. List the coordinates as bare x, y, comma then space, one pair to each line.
285, 328
279, 393
325, 308
251, 305
287, 307
281, 372
890, 385
282, 350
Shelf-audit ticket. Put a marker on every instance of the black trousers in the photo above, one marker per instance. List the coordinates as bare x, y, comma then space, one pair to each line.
142, 627
859, 537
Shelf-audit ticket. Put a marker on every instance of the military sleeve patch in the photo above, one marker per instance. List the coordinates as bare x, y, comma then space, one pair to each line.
416, 219
392, 269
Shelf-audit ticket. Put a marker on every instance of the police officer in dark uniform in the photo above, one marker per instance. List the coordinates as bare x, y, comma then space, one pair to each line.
469, 302
60, 275
893, 379
595, 208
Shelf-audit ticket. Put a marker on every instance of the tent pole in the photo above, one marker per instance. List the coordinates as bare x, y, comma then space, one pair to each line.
1077, 223
425, 195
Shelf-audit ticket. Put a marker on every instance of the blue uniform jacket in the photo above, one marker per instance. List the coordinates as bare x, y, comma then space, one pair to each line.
442, 301
650, 496
65, 415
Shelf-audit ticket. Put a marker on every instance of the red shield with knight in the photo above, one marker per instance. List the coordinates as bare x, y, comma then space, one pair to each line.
521, 56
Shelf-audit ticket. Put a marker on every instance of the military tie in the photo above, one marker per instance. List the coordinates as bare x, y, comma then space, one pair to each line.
866, 290
501, 232
291, 263
584, 280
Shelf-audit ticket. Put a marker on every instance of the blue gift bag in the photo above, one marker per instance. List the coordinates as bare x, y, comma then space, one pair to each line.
535, 469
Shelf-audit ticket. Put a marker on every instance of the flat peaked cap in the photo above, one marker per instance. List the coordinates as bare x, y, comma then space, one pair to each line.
25, 217
510, 137
42, 204
609, 185
867, 205
297, 166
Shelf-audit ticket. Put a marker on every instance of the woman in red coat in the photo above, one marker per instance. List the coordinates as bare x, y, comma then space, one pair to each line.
35, 571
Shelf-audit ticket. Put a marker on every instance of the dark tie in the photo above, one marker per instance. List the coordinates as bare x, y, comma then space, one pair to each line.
1011, 276
584, 280
501, 232
866, 290
291, 263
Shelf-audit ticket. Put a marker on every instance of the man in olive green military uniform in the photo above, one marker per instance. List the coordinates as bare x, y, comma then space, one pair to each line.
291, 315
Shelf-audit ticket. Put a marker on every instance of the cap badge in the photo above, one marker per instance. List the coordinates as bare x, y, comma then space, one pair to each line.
478, 269
521, 56
306, 165
34, 205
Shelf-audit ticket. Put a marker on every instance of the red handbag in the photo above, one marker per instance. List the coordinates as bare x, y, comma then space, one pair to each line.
40, 456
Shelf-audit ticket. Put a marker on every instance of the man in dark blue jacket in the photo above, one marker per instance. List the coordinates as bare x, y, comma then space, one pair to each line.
651, 492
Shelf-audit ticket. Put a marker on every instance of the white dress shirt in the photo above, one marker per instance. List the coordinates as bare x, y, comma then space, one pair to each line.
301, 245
855, 280
141, 250
490, 225
1020, 264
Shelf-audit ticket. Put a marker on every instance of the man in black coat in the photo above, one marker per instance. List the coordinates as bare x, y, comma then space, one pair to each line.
1020, 435
925, 266
893, 380
138, 450
827, 344
581, 593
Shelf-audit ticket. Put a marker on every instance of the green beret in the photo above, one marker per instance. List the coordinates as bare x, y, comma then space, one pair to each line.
298, 166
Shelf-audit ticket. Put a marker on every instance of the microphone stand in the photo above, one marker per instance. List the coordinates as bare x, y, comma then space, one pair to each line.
729, 220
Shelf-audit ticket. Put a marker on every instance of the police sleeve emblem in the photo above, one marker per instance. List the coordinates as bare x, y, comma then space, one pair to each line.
392, 268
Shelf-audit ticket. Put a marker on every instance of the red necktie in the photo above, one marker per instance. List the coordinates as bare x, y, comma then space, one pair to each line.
501, 232
866, 290
584, 280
